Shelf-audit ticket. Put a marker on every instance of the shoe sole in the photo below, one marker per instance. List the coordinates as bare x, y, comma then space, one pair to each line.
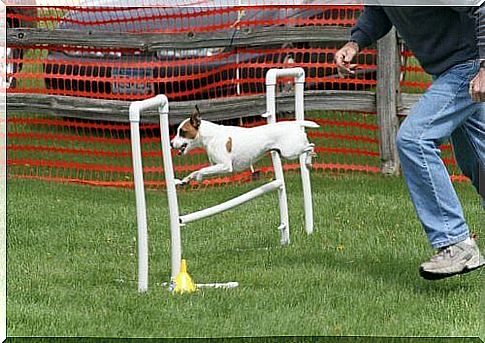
438, 276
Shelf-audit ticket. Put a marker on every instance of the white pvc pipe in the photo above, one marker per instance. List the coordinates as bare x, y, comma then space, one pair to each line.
305, 173
225, 285
278, 168
273, 74
142, 236
175, 219
271, 77
207, 212
138, 106
176, 241
307, 194
142, 240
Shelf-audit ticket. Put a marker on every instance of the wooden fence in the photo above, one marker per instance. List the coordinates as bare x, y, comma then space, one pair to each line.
387, 100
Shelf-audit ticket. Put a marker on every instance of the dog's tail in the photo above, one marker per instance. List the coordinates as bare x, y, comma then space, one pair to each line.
308, 123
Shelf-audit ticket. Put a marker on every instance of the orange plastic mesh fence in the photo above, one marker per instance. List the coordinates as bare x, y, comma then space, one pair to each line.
75, 150
235, 73
414, 79
181, 74
99, 152
167, 19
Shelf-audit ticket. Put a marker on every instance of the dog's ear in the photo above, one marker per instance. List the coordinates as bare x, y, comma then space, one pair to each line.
195, 117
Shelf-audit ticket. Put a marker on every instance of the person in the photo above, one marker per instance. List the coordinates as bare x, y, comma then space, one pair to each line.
449, 43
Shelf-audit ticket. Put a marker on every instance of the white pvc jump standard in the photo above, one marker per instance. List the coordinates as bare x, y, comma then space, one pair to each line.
271, 77
142, 241
176, 221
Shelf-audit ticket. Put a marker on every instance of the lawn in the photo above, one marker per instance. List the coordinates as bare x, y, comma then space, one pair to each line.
72, 264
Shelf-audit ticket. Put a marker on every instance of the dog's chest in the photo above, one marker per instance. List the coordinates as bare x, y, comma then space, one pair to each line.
217, 149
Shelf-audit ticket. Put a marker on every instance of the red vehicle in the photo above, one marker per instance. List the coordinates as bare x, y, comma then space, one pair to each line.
186, 74
17, 17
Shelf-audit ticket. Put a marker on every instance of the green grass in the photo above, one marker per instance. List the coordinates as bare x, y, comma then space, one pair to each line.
72, 265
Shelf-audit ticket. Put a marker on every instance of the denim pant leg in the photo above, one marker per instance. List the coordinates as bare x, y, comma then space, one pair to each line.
444, 107
469, 147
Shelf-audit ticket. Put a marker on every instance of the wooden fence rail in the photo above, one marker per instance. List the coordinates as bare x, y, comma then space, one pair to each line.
220, 109
214, 110
155, 41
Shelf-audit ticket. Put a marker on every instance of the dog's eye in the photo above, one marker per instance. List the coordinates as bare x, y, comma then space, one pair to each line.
183, 133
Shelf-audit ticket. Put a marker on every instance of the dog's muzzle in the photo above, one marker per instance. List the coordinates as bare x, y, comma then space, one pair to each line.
182, 149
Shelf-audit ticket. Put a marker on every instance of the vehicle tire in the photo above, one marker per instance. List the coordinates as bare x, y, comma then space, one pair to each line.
15, 53
13, 67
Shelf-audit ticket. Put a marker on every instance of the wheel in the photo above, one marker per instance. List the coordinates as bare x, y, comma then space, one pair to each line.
15, 53
12, 67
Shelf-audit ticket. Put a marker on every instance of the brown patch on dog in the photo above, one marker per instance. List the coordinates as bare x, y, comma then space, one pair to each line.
188, 130
229, 145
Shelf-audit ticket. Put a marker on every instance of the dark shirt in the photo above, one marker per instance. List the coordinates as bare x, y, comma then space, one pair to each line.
439, 37
481, 32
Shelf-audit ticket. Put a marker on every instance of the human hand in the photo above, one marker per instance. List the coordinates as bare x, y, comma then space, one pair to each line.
344, 57
477, 86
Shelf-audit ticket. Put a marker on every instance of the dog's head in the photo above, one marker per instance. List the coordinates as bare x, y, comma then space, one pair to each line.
187, 133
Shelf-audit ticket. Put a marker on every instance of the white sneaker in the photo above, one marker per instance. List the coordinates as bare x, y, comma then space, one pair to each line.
459, 258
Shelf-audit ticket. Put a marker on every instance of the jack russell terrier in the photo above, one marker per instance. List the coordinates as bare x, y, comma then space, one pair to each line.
233, 148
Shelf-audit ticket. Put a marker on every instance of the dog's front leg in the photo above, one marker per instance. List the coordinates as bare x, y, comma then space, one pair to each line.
198, 175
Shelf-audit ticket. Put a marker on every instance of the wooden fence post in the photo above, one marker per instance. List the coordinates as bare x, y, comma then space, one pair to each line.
387, 101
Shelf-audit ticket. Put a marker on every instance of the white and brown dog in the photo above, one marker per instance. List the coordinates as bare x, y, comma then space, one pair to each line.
232, 148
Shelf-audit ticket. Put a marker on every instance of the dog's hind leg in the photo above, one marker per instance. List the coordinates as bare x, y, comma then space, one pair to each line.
309, 153
309, 148
278, 151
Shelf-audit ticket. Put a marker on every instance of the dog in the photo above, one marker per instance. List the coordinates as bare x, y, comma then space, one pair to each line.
233, 148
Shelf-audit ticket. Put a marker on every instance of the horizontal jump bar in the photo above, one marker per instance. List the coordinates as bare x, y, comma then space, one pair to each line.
271, 186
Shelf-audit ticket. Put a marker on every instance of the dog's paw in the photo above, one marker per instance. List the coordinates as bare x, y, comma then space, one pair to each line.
198, 177
309, 159
182, 183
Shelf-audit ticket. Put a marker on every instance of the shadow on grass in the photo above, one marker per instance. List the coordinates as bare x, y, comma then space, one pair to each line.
402, 273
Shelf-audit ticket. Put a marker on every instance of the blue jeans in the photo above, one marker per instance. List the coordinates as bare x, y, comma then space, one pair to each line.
445, 111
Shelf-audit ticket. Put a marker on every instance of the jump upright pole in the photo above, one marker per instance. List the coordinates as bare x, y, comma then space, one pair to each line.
136, 107
299, 78
284, 227
176, 221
